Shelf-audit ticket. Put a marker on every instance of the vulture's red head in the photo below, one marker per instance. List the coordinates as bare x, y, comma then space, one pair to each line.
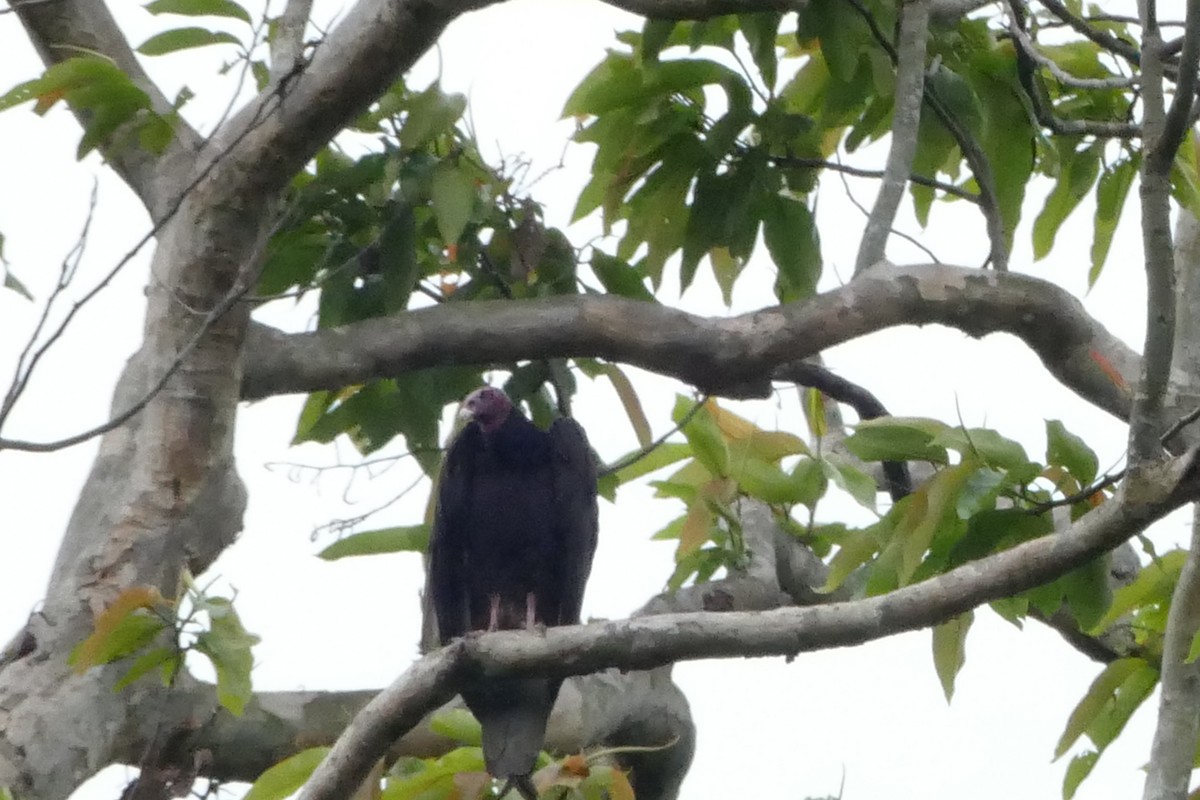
488, 406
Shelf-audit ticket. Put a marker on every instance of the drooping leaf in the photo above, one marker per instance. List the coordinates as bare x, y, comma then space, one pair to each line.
949, 650
285, 778
793, 242
1111, 191
1078, 770
1067, 450
453, 195
228, 646
631, 403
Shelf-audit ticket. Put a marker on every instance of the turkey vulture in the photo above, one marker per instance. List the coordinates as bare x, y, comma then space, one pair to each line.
512, 545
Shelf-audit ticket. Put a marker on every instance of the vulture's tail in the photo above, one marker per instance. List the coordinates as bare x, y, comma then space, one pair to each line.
513, 713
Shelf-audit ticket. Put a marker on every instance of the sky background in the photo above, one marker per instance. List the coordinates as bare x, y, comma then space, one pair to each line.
871, 718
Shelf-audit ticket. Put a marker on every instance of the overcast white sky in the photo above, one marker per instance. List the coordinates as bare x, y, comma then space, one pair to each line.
873, 716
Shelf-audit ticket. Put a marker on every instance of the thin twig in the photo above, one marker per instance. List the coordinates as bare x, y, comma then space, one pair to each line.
858, 172
1029, 48
633, 458
70, 265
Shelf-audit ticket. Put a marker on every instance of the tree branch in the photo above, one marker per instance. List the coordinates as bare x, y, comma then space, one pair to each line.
733, 356
1170, 767
1146, 421
287, 48
906, 121
652, 641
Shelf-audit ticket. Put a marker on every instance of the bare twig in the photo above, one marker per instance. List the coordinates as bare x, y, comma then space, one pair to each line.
1028, 46
1176, 124
906, 120
858, 172
1103, 38
27, 362
633, 458
1146, 422
973, 154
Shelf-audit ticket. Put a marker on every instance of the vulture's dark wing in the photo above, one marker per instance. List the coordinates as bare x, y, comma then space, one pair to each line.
576, 520
448, 540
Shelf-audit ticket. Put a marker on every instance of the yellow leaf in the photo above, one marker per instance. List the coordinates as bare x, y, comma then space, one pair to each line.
633, 405
620, 788
128, 601
695, 527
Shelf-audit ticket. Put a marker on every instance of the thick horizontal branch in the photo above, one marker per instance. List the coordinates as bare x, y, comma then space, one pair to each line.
647, 642
734, 356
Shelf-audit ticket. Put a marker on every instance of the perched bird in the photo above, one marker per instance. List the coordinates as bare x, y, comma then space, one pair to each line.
512, 545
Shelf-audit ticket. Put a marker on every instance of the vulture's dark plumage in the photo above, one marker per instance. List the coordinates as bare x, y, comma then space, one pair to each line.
512, 546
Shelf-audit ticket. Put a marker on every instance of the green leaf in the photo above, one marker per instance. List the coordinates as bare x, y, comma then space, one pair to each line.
767, 482
200, 8
932, 510
1129, 696
1077, 173
151, 659
131, 634
703, 434
453, 195
1079, 768
662, 456
183, 39
793, 242
11, 282
430, 113
285, 778
1066, 450
853, 482
810, 478
1153, 585
949, 650
619, 278
1111, 191
409, 538
856, 549
228, 646
898, 439
761, 31
1102, 692
1086, 592
458, 724
129, 623
992, 448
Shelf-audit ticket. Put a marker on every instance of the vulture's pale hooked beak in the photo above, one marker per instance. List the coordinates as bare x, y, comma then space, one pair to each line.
466, 413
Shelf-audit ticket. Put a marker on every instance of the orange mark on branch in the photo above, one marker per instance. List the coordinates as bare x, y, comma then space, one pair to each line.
1108, 369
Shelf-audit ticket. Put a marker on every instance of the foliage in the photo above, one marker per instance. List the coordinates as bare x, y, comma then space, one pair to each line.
711, 142
161, 632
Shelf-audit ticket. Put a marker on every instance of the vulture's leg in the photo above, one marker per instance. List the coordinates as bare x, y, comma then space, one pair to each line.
530, 612
493, 612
